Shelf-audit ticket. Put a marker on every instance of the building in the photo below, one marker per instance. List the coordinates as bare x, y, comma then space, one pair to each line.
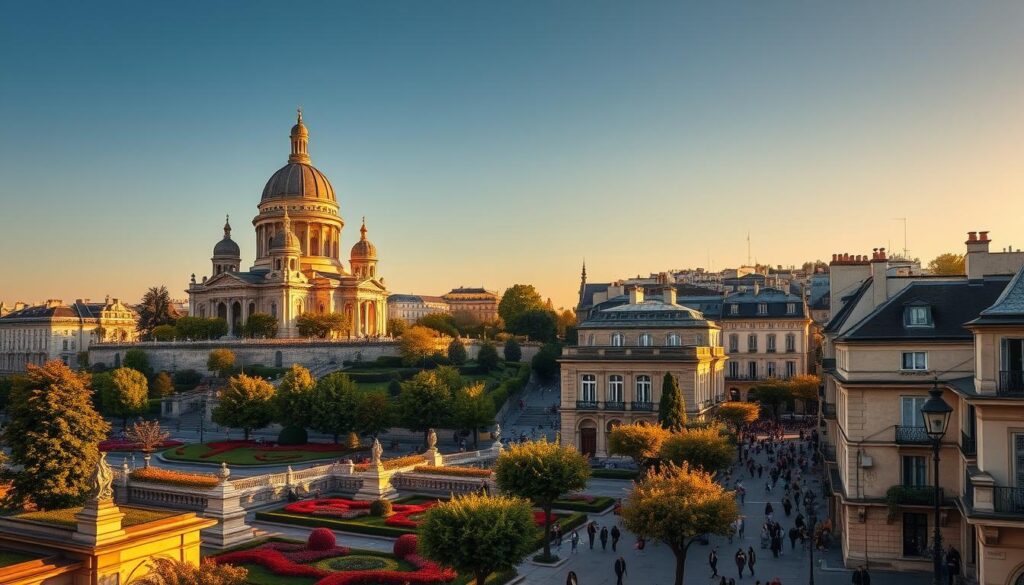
410, 308
895, 333
481, 303
614, 375
298, 266
597, 296
767, 335
39, 333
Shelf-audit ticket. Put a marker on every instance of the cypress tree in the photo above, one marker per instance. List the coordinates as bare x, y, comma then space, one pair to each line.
671, 409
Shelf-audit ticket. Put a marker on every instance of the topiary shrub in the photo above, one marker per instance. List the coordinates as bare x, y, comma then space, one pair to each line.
380, 508
321, 539
293, 436
394, 388
406, 545
352, 442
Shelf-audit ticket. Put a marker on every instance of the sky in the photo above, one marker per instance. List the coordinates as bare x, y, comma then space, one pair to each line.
491, 143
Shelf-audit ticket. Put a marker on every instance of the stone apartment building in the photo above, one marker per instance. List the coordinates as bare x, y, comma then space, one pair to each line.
614, 375
410, 308
895, 333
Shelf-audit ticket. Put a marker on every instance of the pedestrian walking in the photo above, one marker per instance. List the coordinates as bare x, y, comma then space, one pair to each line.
591, 533
861, 576
713, 562
787, 507
615, 538
604, 538
620, 570
768, 509
575, 540
741, 524
571, 579
741, 561
751, 559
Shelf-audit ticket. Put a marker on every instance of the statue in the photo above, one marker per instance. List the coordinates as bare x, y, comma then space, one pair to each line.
101, 482
224, 473
497, 433
431, 440
375, 452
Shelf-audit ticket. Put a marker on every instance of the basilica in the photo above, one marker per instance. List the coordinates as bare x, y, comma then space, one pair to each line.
298, 266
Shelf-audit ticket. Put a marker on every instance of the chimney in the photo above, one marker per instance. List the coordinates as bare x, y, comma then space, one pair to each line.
669, 295
879, 287
977, 251
976, 244
636, 295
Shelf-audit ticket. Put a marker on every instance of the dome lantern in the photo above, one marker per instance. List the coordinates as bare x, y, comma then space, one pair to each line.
299, 178
300, 142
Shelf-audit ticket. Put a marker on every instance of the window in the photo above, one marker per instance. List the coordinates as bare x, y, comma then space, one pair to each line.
643, 389
791, 308
910, 411
672, 340
752, 370
771, 343
918, 316
790, 369
752, 343
588, 388
762, 308
734, 309
790, 342
615, 388
915, 360
645, 340
734, 343
770, 369
915, 471
734, 369
915, 534
618, 339
590, 339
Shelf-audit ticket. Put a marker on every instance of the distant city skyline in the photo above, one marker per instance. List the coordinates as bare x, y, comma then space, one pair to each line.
500, 144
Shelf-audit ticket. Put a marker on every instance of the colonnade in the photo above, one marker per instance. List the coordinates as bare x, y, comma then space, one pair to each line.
315, 238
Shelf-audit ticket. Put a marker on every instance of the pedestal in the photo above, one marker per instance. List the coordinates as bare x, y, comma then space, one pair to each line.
377, 485
224, 504
433, 457
98, 522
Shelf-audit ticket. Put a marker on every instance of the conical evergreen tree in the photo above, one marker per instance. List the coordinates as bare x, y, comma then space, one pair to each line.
671, 409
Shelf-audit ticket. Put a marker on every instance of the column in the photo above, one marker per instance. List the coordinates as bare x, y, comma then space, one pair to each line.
355, 318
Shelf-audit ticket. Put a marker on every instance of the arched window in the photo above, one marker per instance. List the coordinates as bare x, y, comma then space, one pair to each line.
590, 339
615, 388
588, 388
643, 389
273, 310
646, 340
673, 340
618, 339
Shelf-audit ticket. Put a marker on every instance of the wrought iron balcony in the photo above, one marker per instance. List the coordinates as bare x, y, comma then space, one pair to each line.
1008, 500
614, 405
968, 444
644, 406
912, 436
586, 405
1011, 383
828, 409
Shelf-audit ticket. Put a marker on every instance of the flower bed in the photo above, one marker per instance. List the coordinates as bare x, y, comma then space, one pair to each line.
253, 453
396, 463
402, 514
170, 477
126, 445
454, 470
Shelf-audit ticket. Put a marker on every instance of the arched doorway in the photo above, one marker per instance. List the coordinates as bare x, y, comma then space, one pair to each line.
734, 394
236, 318
222, 311
608, 431
588, 438
252, 309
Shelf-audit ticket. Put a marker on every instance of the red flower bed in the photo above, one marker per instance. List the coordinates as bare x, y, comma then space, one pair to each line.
405, 545
538, 518
273, 560
426, 572
126, 445
342, 508
219, 447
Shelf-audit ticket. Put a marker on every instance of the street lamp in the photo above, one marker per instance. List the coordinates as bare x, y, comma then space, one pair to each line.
936, 415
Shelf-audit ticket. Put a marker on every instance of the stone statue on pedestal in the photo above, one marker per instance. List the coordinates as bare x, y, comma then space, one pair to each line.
431, 440
375, 452
102, 480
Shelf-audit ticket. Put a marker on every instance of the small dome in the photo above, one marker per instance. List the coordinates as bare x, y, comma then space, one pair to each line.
285, 239
298, 180
363, 249
227, 246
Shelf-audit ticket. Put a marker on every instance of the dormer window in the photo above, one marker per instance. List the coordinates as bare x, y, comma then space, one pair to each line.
918, 316
762, 308
734, 309
791, 308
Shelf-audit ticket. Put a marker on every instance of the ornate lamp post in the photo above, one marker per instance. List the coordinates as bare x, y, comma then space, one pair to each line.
936, 415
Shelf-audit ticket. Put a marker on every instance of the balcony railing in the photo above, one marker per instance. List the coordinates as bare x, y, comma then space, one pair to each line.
614, 405
968, 444
644, 406
1008, 500
586, 405
912, 436
1011, 383
828, 409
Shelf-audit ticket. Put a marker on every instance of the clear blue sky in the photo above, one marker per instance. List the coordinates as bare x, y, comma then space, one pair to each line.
493, 143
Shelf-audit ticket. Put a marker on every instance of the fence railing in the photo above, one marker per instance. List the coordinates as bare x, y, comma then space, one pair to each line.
968, 444
912, 436
1008, 500
1011, 383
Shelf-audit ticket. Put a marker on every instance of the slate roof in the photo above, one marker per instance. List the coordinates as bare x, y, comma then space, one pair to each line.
777, 302
952, 305
403, 298
1009, 307
682, 290
650, 313
851, 300
45, 313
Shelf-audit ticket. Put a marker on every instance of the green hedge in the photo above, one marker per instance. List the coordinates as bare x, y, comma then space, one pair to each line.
510, 386
596, 506
333, 523
614, 473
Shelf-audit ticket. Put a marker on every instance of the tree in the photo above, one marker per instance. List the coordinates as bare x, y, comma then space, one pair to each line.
443, 323
246, 403
166, 571
417, 344
155, 309
162, 386
260, 325
947, 263
164, 333
221, 361
705, 449
545, 362
126, 395
772, 394
804, 387
137, 360
640, 441
396, 326
467, 322
373, 414
537, 324
671, 408
425, 401
677, 506
472, 409
737, 415
518, 299
478, 534
487, 357
333, 401
53, 433
457, 352
293, 400
566, 320
512, 352
322, 325
148, 435
541, 472
199, 328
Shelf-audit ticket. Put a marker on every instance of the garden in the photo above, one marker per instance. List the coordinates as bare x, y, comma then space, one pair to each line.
257, 453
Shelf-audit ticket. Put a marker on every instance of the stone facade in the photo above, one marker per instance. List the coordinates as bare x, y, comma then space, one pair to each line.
410, 308
481, 303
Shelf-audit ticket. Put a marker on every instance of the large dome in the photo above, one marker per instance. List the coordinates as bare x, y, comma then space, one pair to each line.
298, 180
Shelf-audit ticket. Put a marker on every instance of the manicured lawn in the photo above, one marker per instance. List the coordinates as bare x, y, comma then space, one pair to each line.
593, 505
614, 473
10, 557
255, 455
66, 517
